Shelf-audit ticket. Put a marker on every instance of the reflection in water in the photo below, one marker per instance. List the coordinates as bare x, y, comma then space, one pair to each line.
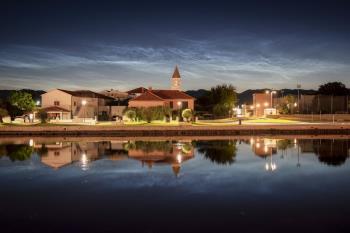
161, 152
220, 152
57, 154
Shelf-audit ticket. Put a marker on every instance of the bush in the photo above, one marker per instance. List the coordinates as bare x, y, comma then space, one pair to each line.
187, 114
43, 116
3, 113
131, 114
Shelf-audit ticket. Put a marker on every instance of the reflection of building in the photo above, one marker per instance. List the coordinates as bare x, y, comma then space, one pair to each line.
55, 155
169, 153
59, 154
264, 147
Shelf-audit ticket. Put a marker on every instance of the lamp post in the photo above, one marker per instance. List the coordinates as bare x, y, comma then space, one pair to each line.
83, 102
179, 105
271, 94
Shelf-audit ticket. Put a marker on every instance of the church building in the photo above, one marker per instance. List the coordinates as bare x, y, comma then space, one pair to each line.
174, 98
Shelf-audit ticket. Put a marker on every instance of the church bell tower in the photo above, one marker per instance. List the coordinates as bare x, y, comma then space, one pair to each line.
176, 80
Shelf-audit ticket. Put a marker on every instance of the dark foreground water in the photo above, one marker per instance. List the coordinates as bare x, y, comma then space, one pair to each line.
238, 185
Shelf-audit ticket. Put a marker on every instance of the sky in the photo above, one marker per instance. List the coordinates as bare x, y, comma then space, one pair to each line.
126, 44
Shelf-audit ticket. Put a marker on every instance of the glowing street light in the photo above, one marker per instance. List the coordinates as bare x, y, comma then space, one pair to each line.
179, 105
83, 102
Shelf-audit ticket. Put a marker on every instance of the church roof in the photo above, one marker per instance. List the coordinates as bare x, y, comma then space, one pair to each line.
176, 73
159, 95
171, 94
148, 96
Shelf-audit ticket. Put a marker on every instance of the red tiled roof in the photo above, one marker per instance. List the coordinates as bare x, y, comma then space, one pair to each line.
158, 95
86, 93
138, 90
148, 96
54, 109
171, 94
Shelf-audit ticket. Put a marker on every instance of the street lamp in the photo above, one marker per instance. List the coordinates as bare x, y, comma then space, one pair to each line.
271, 94
179, 105
83, 102
37, 103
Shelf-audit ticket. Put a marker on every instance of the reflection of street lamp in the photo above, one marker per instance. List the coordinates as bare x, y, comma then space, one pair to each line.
179, 158
270, 166
84, 161
83, 102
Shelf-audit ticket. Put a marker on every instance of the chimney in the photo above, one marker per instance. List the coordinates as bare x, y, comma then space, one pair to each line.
150, 88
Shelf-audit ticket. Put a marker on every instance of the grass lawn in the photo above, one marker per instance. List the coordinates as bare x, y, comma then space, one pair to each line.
271, 121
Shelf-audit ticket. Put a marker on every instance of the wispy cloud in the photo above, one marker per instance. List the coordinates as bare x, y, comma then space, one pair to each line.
243, 61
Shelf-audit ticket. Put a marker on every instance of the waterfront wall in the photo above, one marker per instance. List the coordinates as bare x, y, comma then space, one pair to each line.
182, 130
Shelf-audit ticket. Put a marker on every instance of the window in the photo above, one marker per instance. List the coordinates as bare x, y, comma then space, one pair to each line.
56, 103
171, 104
56, 153
75, 103
184, 104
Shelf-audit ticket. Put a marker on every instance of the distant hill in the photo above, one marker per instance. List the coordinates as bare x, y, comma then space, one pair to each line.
246, 97
5, 94
197, 93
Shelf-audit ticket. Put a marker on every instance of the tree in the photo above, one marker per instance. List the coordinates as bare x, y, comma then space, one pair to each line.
223, 98
22, 100
43, 116
3, 113
333, 88
187, 114
286, 105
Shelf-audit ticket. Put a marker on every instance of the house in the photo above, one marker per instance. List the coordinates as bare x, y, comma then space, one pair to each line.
173, 98
80, 105
263, 104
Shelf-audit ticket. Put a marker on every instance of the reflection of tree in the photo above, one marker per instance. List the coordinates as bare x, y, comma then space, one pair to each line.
42, 151
2, 150
149, 146
220, 152
331, 152
284, 144
19, 152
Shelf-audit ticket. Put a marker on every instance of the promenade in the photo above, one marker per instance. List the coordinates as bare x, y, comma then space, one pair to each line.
179, 130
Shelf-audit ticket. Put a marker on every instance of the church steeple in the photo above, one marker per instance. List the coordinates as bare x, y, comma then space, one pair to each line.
176, 80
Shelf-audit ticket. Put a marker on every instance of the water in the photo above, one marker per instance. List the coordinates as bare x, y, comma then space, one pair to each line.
250, 184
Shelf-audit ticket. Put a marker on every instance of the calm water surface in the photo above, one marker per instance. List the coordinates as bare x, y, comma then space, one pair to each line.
239, 185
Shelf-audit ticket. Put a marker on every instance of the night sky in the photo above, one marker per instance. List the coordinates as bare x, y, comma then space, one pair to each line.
123, 45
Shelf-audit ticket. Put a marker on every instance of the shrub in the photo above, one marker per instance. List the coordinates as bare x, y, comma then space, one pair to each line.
131, 114
187, 114
3, 113
43, 116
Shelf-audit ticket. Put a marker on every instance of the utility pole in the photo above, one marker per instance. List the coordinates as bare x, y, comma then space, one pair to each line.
298, 87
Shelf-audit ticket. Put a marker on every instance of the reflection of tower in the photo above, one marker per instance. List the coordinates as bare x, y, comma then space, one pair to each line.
176, 80
176, 169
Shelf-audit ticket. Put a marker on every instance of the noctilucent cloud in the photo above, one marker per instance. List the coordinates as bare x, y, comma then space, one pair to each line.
123, 45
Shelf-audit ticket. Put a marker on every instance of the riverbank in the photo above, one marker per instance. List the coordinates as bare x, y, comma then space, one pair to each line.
180, 130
